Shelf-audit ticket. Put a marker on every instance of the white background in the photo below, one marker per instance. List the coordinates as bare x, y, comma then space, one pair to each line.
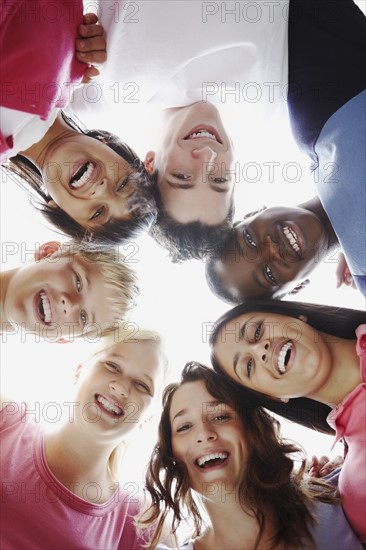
174, 299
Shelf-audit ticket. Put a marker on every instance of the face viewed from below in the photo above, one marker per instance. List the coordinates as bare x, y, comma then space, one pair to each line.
207, 437
58, 297
273, 250
273, 354
116, 387
87, 179
195, 165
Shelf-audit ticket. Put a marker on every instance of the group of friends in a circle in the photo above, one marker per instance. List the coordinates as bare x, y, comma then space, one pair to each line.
220, 458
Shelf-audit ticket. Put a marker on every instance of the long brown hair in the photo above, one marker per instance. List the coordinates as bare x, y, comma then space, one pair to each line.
268, 484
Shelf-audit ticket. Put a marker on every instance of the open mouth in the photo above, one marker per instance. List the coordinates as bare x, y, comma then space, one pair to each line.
212, 459
284, 357
109, 406
206, 132
292, 239
82, 175
44, 308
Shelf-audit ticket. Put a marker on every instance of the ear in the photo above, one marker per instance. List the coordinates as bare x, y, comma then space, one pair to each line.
254, 213
77, 373
299, 287
149, 161
46, 250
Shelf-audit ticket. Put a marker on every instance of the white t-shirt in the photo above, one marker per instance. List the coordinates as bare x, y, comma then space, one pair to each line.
174, 53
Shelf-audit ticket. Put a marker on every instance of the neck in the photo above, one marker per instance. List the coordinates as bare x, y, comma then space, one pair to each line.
36, 153
345, 374
315, 206
233, 528
79, 464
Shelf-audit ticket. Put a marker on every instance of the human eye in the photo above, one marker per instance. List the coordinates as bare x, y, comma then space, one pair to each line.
122, 185
269, 275
97, 213
223, 417
258, 332
83, 317
184, 427
220, 180
249, 367
112, 366
78, 282
141, 386
181, 176
248, 237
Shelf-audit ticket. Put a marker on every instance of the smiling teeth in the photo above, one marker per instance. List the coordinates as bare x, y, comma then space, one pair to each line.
109, 406
203, 133
46, 306
282, 356
292, 238
75, 184
201, 461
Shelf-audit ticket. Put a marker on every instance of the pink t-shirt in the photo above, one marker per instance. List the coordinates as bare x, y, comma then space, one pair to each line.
349, 420
37, 62
38, 512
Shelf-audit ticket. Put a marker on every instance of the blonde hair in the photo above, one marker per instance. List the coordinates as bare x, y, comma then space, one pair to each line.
117, 276
123, 333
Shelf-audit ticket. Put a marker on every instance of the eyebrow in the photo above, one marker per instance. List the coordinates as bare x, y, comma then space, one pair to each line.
182, 412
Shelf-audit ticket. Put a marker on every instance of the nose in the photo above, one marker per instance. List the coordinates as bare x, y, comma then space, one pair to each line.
205, 154
272, 250
262, 350
120, 388
99, 189
68, 303
206, 433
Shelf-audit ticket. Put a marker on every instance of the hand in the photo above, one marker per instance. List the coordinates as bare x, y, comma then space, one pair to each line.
343, 274
320, 467
90, 46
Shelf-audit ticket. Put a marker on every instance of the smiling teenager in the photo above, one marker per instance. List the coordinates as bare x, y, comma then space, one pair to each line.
270, 252
306, 362
194, 179
84, 180
229, 455
66, 292
82, 499
208, 52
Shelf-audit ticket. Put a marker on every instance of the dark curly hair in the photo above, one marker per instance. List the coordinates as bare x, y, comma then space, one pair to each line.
268, 481
141, 201
185, 241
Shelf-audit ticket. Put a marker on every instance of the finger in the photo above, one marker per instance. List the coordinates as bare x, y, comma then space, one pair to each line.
95, 44
323, 460
90, 19
90, 30
89, 74
91, 57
